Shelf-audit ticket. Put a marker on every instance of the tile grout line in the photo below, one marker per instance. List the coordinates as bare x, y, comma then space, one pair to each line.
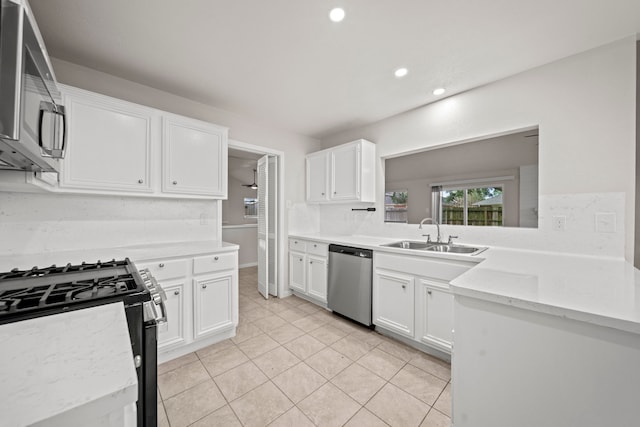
329, 322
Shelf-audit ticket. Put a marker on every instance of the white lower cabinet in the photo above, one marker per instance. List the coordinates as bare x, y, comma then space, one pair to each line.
394, 303
213, 305
297, 280
202, 301
308, 267
317, 277
172, 333
411, 297
435, 307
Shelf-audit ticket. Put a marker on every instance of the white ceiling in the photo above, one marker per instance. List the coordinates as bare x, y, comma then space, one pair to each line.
284, 62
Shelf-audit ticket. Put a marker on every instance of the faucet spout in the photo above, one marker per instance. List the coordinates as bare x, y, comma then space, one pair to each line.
439, 237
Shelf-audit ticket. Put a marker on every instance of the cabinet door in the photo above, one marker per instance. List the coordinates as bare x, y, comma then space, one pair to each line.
345, 172
194, 157
171, 334
437, 314
317, 177
393, 302
213, 304
317, 277
108, 145
297, 272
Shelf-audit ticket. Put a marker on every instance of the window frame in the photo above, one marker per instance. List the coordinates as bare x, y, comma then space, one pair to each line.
437, 205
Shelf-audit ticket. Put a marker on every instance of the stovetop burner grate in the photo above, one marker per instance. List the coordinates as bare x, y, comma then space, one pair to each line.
37, 289
55, 270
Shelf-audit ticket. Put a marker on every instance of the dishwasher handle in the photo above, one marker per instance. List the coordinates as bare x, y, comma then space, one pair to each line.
348, 250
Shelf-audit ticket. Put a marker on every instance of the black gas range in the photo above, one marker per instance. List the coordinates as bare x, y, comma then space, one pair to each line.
37, 292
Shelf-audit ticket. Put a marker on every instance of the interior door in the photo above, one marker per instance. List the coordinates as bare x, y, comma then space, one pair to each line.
272, 224
263, 226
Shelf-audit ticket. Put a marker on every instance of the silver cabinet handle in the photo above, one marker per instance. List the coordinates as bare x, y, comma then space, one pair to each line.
176, 292
429, 292
322, 194
404, 286
315, 246
300, 259
310, 262
140, 181
204, 286
175, 182
161, 265
215, 258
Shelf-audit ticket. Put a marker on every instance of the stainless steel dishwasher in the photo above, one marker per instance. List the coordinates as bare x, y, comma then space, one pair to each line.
349, 288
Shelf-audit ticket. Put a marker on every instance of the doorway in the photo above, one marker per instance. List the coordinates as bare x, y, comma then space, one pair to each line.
252, 217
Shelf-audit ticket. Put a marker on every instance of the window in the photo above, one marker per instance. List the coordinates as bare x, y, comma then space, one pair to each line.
395, 206
479, 205
250, 207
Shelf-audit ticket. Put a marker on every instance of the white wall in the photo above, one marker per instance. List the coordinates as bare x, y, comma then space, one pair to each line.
233, 207
39, 222
247, 237
585, 108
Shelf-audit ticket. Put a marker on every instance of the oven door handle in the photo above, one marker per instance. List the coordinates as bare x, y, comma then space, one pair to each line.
163, 319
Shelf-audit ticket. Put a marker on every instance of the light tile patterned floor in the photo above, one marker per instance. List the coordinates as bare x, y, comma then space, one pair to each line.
293, 363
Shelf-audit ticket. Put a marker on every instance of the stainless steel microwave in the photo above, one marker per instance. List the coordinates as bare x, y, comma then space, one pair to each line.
32, 121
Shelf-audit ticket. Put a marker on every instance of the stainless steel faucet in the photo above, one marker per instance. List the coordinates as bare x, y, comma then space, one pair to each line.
439, 238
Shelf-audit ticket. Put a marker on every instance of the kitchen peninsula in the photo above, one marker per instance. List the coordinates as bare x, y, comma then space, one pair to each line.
559, 330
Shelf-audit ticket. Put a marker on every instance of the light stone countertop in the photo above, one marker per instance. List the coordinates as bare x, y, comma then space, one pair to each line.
597, 290
135, 253
66, 369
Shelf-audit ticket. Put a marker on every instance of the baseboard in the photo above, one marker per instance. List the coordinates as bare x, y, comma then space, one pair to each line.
249, 264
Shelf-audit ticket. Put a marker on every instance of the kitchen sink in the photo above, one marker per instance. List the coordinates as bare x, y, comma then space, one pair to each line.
408, 244
436, 247
454, 249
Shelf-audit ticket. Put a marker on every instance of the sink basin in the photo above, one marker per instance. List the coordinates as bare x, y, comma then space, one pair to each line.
408, 244
436, 247
454, 249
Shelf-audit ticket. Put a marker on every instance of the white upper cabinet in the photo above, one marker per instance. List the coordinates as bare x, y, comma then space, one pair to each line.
194, 157
345, 173
109, 144
120, 148
346, 165
318, 177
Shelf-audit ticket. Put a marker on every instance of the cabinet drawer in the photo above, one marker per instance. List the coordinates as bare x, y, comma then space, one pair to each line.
217, 262
317, 248
297, 245
163, 270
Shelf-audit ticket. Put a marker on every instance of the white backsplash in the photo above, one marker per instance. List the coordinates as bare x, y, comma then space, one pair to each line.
303, 218
33, 223
579, 236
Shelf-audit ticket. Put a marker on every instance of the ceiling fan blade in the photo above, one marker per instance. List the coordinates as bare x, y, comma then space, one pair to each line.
253, 186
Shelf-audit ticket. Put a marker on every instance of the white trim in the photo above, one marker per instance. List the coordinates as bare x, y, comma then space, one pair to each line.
466, 182
283, 290
240, 226
249, 264
463, 141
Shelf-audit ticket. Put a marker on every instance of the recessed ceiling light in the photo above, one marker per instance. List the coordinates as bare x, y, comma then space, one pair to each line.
337, 14
401, 72
438, 91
